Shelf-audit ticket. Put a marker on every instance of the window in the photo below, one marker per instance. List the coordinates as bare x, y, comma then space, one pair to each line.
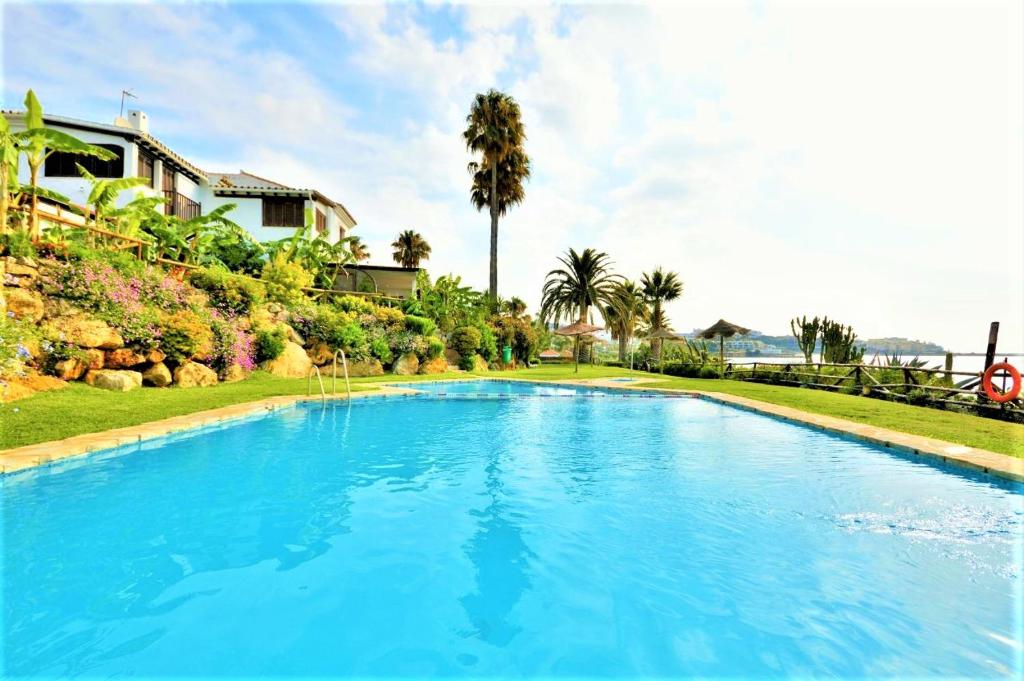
146, 167
283, 212
62, 164
170, 182
321, 223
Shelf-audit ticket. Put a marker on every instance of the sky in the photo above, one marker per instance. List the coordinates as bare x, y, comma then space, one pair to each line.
859, 160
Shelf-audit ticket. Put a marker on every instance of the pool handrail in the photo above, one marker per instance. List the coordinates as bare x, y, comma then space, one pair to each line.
320, 380
334, 373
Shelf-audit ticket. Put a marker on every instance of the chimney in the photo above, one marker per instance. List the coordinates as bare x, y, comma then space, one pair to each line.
138, 120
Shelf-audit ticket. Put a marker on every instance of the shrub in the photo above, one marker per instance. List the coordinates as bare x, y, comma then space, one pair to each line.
919, 397
708, 372
420, 325
269, 343
405, 342
17, 243
389, 317
435, 347
380, 349
354, 304
231, 345
15, 337
488, 343
465, 340
185, 335
285, 280
467, 362
229, 292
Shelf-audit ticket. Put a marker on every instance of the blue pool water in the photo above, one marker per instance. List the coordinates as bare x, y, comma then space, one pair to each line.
607, 537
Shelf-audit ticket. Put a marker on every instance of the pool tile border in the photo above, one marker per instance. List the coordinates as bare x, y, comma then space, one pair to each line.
44, 453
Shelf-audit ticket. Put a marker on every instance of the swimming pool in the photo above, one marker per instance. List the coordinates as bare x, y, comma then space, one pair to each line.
614, 537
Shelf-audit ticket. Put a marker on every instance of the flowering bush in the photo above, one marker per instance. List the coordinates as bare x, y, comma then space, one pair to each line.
15, 336
231, 345
230, 293
184, 335
285, 280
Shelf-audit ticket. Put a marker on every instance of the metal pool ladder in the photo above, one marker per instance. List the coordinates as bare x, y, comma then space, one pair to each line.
309, 382
334, 376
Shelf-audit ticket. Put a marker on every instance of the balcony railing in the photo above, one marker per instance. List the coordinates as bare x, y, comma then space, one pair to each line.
181, 206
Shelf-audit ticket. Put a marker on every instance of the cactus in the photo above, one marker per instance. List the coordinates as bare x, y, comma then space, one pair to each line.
838, 343
806, 334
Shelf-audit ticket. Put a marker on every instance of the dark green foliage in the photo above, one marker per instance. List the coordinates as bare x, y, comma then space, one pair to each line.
467, 362
435, 348
708, 372
270, 343
837, 343
465, 340
420, 325
488, 343
17, 244
229, 292
806, 334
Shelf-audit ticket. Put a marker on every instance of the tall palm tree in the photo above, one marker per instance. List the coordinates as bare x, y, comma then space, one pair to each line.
583, 281
358, 249
410, 247
660, 287
494, 128
627, 309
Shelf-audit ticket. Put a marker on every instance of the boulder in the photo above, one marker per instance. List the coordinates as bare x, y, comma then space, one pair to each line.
406, 365
3, 304
155, 356
158, 376
24, 304
21, 267
293, 362
233, 374
194, 375
451, 357
320, 354
479, 363
86, 332
70, 369
438, 365
123, 358
94, 358
365, 367
293, 335
114, 379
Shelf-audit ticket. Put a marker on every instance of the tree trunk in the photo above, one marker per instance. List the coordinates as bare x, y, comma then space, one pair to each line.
4, 198
623, 342
33, 224
494, 230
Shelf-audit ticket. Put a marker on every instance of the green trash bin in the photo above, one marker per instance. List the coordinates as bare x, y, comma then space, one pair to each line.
506, 354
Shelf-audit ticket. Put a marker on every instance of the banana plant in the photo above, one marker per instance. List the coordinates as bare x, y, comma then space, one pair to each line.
38, 143
104, 193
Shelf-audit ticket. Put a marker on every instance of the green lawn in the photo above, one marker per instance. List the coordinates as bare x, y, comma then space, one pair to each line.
81, 409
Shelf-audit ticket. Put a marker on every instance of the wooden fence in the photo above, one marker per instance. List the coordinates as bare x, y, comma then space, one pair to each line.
940, 385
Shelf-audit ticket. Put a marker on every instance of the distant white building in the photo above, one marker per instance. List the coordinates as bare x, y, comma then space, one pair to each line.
266, 209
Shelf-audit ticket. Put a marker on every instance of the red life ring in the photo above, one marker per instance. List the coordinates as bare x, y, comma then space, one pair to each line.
991, 392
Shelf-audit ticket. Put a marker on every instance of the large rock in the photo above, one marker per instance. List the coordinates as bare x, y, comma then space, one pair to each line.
233, 374
438, 365
365, 367
293, 362
3, 303
406, 365
155, 356
158, 376
194, 375
320, 354
86, 332
24, 304
451, 357
94, 358
70, 369
479, 363
114, 379
123, 358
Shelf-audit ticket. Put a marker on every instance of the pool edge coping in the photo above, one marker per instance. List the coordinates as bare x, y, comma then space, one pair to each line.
45, 453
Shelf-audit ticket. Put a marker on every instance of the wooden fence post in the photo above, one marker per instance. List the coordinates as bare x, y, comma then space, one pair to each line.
990, 351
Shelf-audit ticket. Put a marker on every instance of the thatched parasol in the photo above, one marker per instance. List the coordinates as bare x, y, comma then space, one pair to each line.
723, 330
662, 334
578, 329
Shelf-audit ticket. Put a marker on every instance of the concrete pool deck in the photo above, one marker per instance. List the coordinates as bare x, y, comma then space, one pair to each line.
44, 453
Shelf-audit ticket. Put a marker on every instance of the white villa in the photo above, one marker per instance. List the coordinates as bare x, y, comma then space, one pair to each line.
268, 210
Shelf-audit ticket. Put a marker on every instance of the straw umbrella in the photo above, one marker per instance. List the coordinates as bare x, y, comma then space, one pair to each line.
578, 329
663, 334
723, 330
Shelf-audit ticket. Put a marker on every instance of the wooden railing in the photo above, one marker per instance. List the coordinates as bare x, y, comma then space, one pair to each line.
894, 382
181, 206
